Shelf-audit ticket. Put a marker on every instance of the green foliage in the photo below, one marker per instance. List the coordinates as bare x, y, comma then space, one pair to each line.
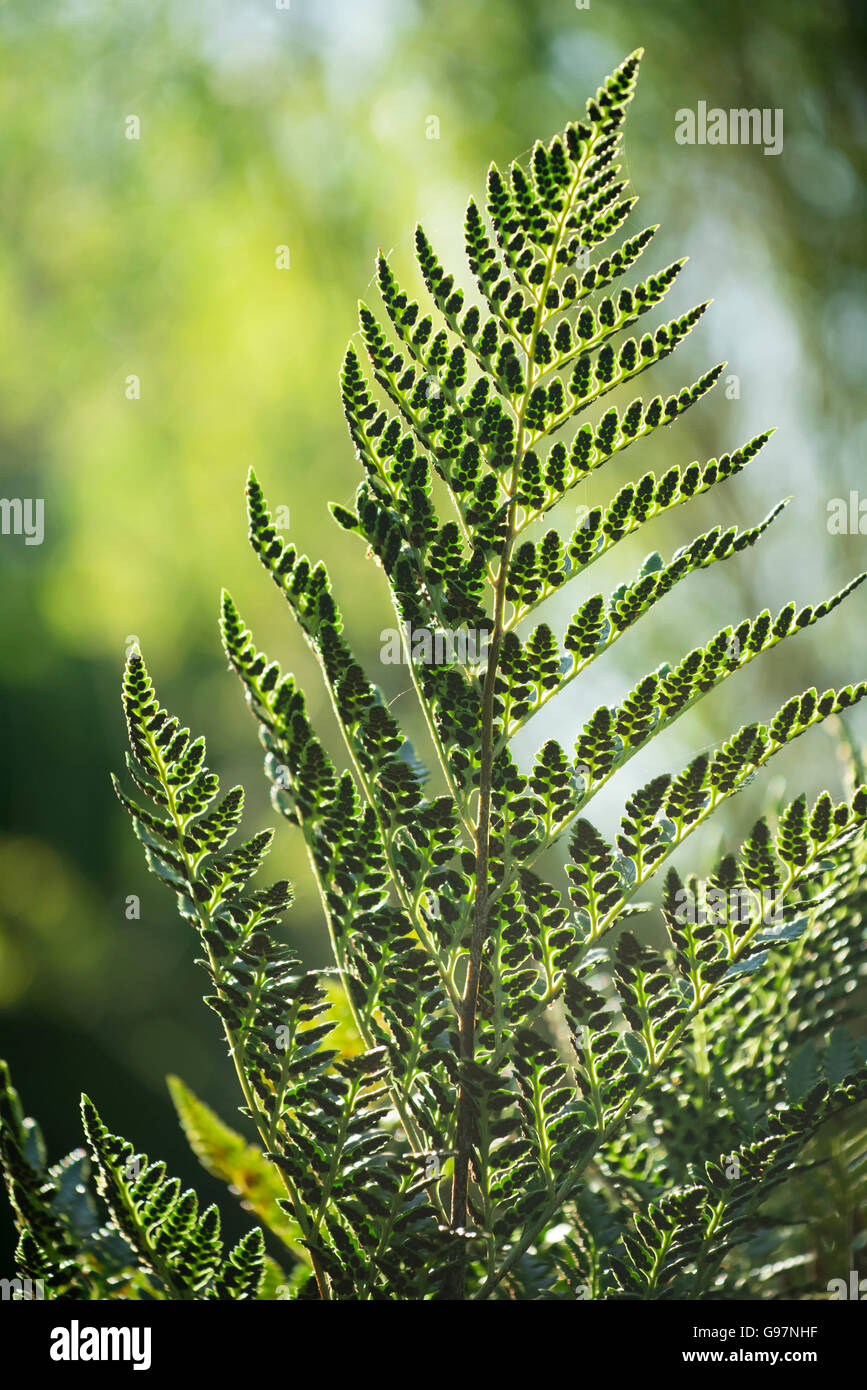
226, 1154
172, 1242
156, 1244
543, 1104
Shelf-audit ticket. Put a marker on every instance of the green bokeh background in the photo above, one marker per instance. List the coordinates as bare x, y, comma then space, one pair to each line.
307, 127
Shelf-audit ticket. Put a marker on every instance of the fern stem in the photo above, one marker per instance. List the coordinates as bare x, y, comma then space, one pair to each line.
464, 1128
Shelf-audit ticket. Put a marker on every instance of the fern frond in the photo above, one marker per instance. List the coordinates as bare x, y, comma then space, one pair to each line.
528, 1068
174, 1242
471, 399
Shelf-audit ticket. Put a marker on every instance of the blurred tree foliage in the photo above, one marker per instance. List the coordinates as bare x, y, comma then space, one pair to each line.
157, 258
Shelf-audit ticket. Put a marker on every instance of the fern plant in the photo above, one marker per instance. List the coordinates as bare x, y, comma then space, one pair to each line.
539, 1103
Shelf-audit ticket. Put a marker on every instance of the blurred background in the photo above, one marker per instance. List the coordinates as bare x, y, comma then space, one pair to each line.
193, 196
